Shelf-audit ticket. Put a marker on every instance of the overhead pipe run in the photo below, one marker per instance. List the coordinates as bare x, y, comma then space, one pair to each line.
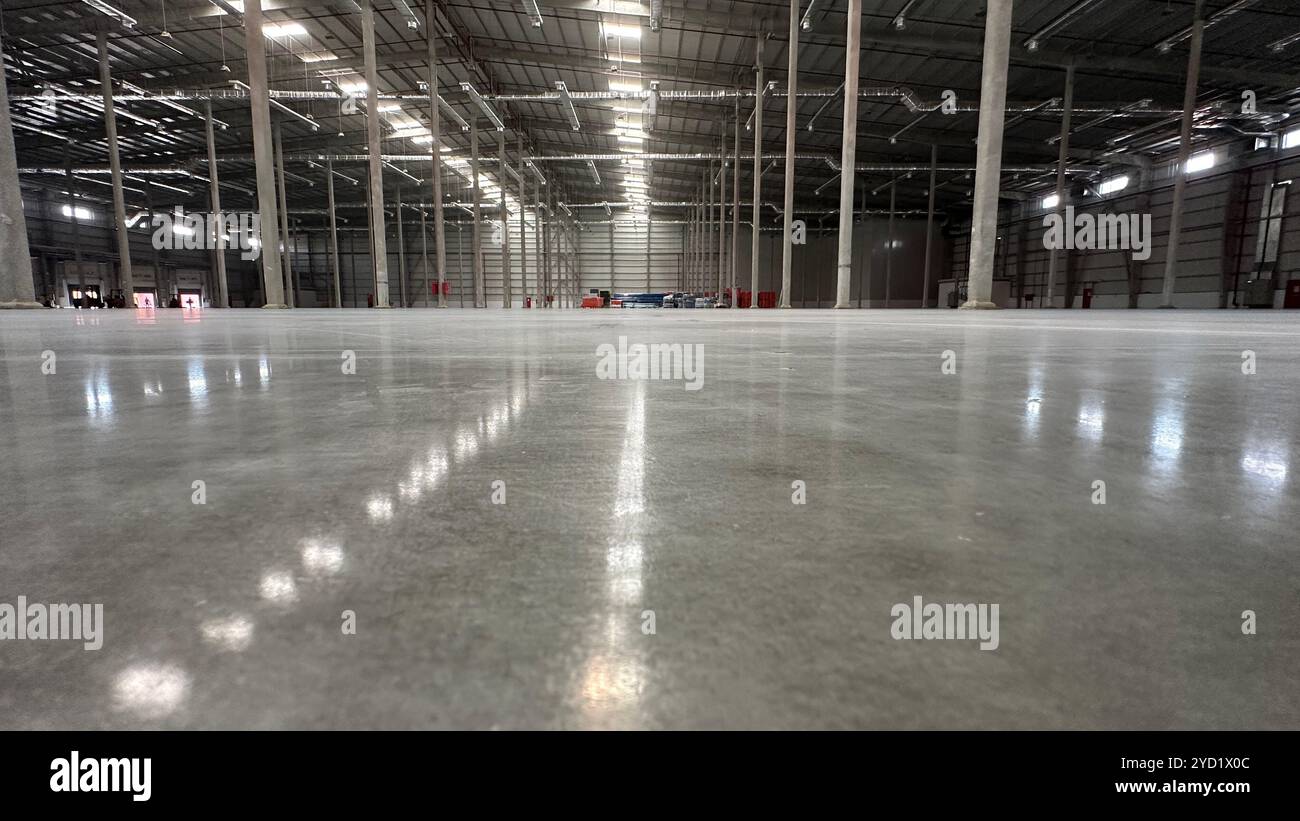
884, 168
907, 96
1164, 46
1033, 41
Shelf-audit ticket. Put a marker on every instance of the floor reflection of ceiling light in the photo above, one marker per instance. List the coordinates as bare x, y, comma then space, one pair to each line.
1265, 466
319, 558
278, 586
380, 509
1092, 422
151, 690
234, 633
624, 590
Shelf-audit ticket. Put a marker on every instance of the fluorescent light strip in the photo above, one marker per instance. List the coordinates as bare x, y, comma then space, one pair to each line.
534, 13
283, 30
612, 30
568, 105
487, 110
98, 5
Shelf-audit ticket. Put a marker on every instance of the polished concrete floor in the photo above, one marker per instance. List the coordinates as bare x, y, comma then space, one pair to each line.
373, 493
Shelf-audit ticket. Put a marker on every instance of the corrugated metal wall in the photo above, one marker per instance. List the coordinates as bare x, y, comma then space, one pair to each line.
1221, 226
626, 269
814, 267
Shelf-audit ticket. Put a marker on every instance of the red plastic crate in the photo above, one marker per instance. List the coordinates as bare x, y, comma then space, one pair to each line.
766, 299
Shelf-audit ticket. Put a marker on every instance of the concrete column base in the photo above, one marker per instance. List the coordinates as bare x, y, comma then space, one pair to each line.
972, 305
275, 306
19, 305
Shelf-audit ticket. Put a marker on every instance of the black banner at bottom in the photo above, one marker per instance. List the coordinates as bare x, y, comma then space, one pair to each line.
333, 770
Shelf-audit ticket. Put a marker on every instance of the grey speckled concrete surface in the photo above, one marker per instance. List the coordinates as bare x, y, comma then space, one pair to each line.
372, 493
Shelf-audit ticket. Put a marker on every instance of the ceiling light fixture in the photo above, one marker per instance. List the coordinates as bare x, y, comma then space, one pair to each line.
534, 13
483, 105
103, 8
284, 30
568, 105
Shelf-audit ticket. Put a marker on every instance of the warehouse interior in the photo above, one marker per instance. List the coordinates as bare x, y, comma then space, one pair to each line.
461, 204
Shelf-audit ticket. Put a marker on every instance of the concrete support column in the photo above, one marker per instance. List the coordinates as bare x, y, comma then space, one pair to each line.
435, 148
537, 241
402, 274
988, 154
690, 250
157, 252
16, 287
504, 216
286, 261
480, 298
611, 255
125, 280
889, 241
337, 301
1062, 194
221, 299
757, 214
848, 156
255, 46
424, 258
791, 129
566, 267
929, 226
523, 224
722, 214
701, 241
72, 204
649, 228
378, 241
681, 263
693, 229
735, 209
709, 266
1184, 152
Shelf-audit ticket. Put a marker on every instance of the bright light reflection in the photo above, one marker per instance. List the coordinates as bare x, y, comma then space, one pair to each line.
1268, 465
1092, 422
278, 587
197, 379
630, 496
1167, 434
320, 558
151, 691
234, 634
466, 444
99, 399
380, 508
